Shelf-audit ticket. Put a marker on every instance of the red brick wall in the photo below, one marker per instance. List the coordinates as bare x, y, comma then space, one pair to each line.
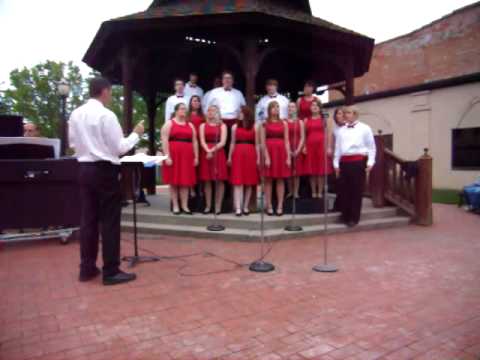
447, 48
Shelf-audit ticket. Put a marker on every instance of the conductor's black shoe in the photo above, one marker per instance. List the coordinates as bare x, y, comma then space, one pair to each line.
89, 275
119, 278
351, 224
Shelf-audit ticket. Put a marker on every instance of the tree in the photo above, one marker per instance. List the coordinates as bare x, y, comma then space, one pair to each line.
33, 93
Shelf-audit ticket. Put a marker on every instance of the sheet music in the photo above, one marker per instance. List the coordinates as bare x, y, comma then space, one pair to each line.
147, 160
55, 143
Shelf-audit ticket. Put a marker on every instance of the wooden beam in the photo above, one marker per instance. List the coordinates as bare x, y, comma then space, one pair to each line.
250, 59
349, 81
127, 78
423, 189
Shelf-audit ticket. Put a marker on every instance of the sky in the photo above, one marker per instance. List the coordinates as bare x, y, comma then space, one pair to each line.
61, 30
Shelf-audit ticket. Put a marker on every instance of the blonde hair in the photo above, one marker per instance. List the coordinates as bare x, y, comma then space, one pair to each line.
353, 108
217, 112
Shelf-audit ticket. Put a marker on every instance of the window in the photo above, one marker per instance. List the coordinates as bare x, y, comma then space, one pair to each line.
466, 149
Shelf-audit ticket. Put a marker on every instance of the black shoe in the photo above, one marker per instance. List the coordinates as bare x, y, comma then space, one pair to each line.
238, 213
280, 213
119, 278
178, 212
89, 275
246, 212
351, 224
187, 212
270, 212
207, 211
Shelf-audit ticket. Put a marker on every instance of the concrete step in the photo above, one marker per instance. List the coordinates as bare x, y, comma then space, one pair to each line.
252, 235
252, 222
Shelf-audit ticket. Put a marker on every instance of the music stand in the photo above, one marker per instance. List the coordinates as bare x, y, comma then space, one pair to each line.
135, 168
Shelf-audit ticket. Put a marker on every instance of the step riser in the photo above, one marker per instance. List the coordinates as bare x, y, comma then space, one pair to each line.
197, 220
254, 235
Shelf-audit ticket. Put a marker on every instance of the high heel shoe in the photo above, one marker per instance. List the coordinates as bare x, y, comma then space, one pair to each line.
207, 211
270, 212
246, 212
238, 213
187, 212
176, 212
280, 212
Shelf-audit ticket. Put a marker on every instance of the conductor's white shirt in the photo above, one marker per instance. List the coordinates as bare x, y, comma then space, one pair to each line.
191, 90
228, 101
96, 135
172, 101
355, 139
261, 110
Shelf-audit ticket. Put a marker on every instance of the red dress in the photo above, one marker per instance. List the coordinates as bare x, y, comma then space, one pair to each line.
197, 120
304, 108
244, 158
315, 143
274, 133
294, 136
216, 167
182, 170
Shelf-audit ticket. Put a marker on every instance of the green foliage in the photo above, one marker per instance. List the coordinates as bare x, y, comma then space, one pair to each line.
33, 93
445, 196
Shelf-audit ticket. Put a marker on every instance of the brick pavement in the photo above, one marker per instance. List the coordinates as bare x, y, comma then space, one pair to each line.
406, 293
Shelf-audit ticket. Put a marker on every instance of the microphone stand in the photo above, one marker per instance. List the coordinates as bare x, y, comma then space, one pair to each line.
292, 227
216, 226
260, 265
325, 267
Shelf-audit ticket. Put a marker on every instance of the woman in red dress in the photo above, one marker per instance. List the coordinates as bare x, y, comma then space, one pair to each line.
180, 145
243, 160
196, 113
304, 103
277, 157
296, 136
315, 165
213, 162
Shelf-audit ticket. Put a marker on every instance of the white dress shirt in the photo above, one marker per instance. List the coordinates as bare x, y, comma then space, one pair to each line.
172, 101
228, 101
261, 110
356, 140
191, 90
96, 135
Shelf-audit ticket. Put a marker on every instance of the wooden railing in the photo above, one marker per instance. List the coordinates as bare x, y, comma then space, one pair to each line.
406, 184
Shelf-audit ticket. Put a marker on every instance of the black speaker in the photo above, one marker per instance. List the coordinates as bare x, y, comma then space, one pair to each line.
11, 126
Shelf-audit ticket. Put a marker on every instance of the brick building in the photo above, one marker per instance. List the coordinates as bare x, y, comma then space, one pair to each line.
423, 91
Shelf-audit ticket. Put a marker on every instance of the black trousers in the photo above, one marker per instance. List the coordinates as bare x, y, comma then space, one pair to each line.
101, 198
351, 187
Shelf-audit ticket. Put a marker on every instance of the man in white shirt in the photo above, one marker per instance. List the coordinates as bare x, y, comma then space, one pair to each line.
217, 82
261, 110
96, 136
192, 88
354, 158
177, 98
228, 99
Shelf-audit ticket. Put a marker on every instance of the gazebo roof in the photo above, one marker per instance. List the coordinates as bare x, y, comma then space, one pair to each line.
315, 45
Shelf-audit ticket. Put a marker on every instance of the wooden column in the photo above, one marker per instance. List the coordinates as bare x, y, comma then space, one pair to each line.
377, 175
251, 69
423, 195
349, 81
151, 102
127, 77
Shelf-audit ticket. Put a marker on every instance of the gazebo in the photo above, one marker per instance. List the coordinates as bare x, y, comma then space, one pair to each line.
256, 39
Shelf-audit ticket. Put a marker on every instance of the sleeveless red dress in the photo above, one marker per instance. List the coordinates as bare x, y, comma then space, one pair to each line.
274, 132
304, 107
216, 167
182, 171
244, 169
294, 136
197, 120
315, 143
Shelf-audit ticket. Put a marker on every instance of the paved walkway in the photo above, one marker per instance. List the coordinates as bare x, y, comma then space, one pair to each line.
405, 293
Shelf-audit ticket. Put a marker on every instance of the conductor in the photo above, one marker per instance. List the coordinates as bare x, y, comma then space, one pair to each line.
96, 136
